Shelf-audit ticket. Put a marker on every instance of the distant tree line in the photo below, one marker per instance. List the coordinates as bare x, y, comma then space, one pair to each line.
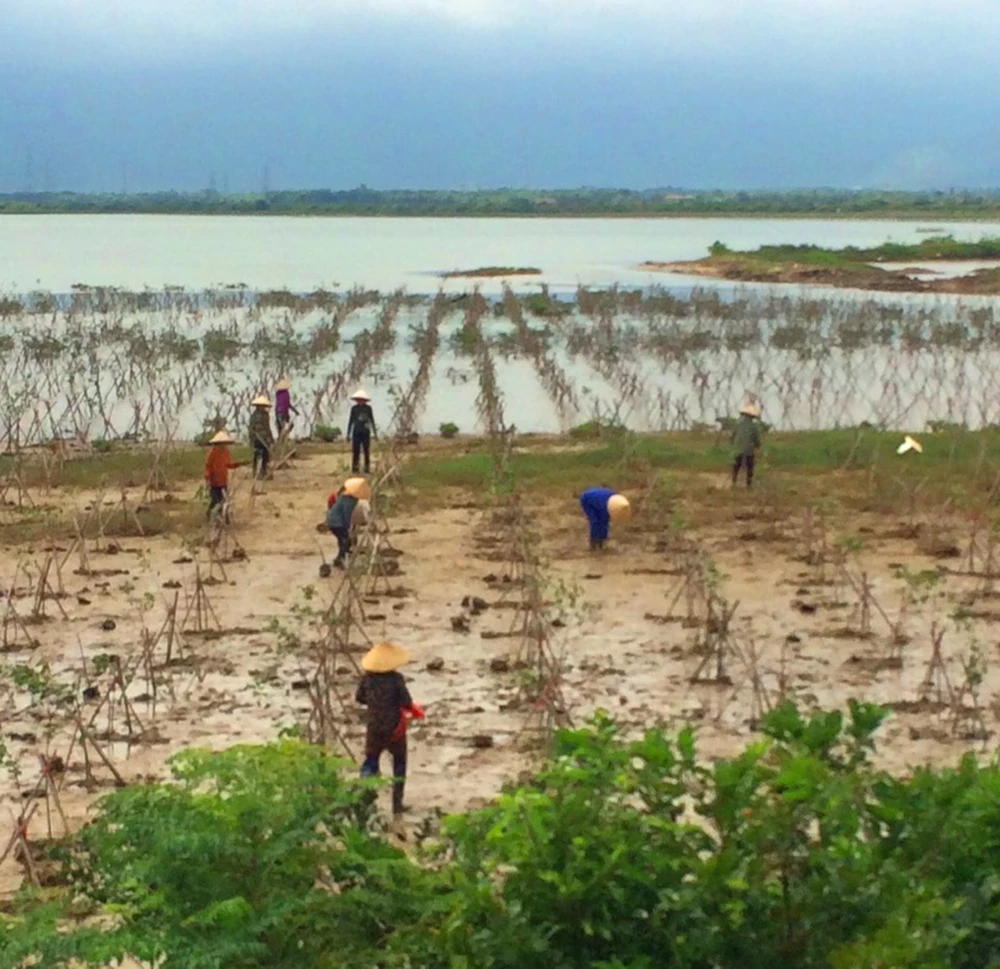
521, 202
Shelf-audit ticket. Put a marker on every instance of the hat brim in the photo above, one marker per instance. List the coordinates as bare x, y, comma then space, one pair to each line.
358, 488
385, 658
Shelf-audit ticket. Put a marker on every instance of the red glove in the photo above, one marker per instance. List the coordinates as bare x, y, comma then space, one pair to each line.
416, 711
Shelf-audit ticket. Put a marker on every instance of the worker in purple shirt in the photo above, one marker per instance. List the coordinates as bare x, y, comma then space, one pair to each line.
603, 506
283, 408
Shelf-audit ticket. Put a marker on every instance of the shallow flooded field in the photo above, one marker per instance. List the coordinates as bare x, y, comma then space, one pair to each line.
104, 365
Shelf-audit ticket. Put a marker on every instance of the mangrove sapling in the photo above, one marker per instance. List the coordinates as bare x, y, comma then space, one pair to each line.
716, 642
935, 687
535, 345
916, 590
967, 714
749, 655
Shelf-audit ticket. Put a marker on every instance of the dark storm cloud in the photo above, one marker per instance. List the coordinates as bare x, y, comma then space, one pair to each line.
436, 93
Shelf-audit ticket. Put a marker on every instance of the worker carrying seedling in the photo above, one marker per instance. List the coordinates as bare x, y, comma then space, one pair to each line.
283, 407
383, 690
217, 467
342, 512
360, 430
261, 438
746, 441
603, 506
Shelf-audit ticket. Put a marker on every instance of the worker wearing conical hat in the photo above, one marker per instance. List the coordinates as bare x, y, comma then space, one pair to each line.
218, 464
342, 515
261, 438
603, 506
360, 430
283, 407
383, 690
746, 441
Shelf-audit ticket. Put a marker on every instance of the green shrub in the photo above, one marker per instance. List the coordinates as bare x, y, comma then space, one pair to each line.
591, 430
256, 857
448, 429
542, 304
326, 432
621, 854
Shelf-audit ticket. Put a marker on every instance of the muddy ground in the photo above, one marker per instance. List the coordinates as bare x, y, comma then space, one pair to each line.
625, 643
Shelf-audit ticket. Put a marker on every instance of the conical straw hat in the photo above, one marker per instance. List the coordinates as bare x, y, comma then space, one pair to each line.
385, 658
283, 384
261, 401
618, 508
223, 437
358, 488
750, 409
360, 394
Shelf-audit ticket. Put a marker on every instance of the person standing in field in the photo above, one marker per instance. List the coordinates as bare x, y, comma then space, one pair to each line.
283, 407
217, 467
361, 430
746, 441
602, 506
384, 692
261, 438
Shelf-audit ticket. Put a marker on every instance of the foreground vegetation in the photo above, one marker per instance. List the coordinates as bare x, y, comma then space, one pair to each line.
870, 203
621, 854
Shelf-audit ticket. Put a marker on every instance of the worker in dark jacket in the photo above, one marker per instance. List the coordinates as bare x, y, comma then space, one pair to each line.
341, 514
602, 506
261, 437
746, 441
383, 690
360, 430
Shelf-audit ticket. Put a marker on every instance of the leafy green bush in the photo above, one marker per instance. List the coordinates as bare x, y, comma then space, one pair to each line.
448, 429
257, 857
796, 853
326, 432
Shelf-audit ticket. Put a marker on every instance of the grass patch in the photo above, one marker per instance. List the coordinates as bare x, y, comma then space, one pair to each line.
180, 518
125, 468
959, 465
942, 247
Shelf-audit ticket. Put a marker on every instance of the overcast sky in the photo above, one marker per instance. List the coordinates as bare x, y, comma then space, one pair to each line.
97, 95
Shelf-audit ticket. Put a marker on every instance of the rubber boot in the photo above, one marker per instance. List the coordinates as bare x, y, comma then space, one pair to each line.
398, 807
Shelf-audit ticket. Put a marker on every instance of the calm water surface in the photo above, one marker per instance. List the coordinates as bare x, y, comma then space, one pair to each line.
54, 252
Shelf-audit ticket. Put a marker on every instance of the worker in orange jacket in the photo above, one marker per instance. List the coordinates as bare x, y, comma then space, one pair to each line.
218, 464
